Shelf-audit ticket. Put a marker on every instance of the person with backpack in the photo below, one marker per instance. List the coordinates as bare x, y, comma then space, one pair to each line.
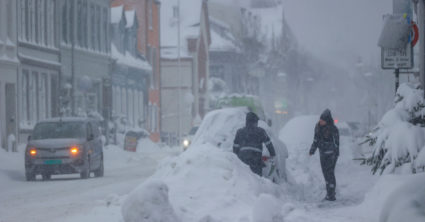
326, 139
248, 144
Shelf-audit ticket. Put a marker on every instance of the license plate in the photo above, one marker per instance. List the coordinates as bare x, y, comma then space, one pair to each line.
52, 162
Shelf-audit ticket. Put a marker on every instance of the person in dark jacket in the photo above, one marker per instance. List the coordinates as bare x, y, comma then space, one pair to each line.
248, 144
326, 138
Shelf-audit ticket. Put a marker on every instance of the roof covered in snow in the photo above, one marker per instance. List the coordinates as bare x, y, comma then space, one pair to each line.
116, 14
190, 11
130, 17
129, 60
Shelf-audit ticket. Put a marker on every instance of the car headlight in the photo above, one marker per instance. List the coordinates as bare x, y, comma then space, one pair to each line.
186, 142
75, 150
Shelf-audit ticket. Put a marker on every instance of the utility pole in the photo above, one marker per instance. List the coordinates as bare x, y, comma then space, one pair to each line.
421, 26
178, 72
72, 58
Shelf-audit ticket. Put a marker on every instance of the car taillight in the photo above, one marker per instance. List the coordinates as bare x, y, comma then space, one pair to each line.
33, 151
74, 150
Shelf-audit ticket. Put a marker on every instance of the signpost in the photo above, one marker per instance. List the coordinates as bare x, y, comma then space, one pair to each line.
397, 58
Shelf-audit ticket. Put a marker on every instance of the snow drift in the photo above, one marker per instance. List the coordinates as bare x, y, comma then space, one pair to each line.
209, 184
149, 203
396, 198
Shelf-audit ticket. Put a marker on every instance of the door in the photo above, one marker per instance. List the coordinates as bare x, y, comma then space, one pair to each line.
10, 109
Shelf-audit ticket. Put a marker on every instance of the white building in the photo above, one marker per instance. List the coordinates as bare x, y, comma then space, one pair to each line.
39, 68
8, 70
184, 70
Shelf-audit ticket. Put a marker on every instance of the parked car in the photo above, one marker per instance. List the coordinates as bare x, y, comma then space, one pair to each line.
219, 128
64, 146
189, 137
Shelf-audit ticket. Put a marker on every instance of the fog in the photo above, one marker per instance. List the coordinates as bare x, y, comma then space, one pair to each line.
338, 29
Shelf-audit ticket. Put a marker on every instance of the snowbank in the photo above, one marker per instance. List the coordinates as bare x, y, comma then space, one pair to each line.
209, 184
396, 198
145, 145
149, 203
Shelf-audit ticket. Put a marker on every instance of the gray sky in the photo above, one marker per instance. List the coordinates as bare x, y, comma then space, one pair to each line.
338, 30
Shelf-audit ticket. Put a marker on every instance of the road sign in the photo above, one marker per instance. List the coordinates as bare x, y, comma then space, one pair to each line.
397, 58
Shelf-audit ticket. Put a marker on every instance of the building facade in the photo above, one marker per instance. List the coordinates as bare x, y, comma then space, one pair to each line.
40, 67
131, 73
8, 71
85, 56
184, 66
148, 35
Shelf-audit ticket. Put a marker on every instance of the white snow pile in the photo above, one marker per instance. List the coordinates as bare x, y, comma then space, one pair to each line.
397, 143
145, 145
206, 183
396, 198
149, 203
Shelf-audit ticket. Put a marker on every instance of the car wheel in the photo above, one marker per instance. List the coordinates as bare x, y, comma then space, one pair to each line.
86, 171
29, 176
46, 176
100, 171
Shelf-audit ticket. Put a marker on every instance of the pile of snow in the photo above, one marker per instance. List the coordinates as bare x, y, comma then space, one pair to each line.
396, 198
149, 203
145, 145
206, 183
398, 145
219, 127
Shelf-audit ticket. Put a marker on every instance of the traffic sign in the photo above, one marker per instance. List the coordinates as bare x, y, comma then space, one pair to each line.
397, 58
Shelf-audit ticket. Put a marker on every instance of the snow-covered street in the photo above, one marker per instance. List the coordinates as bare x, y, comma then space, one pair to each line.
65, 197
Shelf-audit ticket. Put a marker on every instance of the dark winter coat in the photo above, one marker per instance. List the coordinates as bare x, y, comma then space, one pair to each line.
326, 138
248, 143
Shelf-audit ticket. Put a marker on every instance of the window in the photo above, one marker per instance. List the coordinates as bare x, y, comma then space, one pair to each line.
42, 97
98, 26
33, 111
21, 25
85, 24
80, 23
65, 22
150, 16
10, 18
92, 26
105, 30
50, 34
24, 94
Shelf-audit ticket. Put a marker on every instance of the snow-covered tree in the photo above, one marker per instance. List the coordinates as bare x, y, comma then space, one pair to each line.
398, 141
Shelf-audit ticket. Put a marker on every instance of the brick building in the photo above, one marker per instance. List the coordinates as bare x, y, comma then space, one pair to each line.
148, 12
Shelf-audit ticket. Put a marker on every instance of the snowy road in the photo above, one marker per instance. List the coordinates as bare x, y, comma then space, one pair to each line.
66, 196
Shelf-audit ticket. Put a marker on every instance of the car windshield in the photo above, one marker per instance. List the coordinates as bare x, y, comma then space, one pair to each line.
57, 130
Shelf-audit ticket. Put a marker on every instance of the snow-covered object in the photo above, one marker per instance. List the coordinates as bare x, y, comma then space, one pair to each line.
129, 60
219, 128
145, 145
397, 142
395, 33
407, 203
396, 198
149, 203
116, 14
209, 184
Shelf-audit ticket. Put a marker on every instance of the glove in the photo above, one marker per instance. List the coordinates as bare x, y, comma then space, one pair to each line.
311, 152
